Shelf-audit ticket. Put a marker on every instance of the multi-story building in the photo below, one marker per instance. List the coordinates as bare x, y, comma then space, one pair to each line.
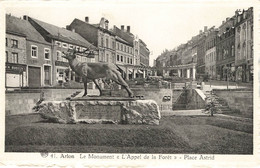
125, 51
61, 40
210, 53
15, 52
29, 53
99, 35
138, 51
226, 50
201, 55
244, 44
144, 55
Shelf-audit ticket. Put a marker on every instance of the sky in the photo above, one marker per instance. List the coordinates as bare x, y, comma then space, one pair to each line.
160, 24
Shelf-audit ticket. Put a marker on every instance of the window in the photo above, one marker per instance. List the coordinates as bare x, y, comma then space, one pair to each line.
131, 61
121, 47
128, 60
58, 43
58, 54
233, 50
6, 42
128, 49
107, 43
6, 56
14, 57
125, 49
122, 59
70, 46
77, 48
114, 45
117, 58
47, 53
34, 51
14, 43
117, 46
102, 42
64, 45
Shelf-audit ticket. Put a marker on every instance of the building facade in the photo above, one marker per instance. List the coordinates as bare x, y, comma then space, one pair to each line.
61, 40
201, 56
35, 53
99, 35
15, 57
210, 53
244, 44
226, 50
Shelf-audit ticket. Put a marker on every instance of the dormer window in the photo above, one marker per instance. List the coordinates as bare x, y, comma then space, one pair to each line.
64, 45
58, 43
70, 46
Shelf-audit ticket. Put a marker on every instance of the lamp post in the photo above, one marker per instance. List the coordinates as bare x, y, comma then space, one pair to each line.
227, 70
239, 75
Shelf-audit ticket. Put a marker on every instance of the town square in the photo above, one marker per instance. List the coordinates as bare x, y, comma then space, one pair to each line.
130, 79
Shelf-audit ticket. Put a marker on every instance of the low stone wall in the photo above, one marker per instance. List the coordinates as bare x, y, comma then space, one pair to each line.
240, 101
23, 102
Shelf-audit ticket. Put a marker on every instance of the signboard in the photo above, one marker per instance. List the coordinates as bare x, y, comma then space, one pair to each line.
15, 68
60, 63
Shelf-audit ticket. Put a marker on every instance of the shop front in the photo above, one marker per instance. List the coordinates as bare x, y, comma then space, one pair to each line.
62, 72
15, 75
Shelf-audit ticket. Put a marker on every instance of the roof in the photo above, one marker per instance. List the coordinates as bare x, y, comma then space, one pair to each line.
125, 36
63, 34
122, 40
23, 28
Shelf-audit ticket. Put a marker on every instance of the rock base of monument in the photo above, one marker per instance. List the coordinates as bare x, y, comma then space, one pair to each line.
103, 110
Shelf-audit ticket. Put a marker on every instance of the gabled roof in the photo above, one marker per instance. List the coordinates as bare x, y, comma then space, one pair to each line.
122, 40
124, 35
97, 26
63, 34
23, 28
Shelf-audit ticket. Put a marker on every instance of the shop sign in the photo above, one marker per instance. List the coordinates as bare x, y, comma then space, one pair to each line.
60, 63
15, 68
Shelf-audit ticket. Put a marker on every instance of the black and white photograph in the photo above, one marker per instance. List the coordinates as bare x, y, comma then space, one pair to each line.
130, 81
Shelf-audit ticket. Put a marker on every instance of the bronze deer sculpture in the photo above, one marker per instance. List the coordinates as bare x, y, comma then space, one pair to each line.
91, 71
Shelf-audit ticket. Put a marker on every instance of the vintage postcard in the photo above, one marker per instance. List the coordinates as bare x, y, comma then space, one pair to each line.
130, 83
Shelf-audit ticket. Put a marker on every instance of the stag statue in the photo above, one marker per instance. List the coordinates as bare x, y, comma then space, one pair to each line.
91, 71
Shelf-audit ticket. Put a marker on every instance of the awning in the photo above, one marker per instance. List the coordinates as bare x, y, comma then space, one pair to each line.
130, 71
139, 71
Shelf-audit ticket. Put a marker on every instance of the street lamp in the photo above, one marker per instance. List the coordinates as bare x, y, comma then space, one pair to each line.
227, 70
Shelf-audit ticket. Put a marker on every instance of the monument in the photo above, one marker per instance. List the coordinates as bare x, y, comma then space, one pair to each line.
81, 108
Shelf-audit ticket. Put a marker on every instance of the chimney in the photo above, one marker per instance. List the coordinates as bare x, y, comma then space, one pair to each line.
86, 19
200, 31
205, 28
122, 27
25, 17
128, 29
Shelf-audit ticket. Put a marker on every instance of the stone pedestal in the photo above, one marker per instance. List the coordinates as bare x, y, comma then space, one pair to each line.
101, 110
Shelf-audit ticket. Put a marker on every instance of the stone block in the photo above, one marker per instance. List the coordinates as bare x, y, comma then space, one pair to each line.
121, 111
